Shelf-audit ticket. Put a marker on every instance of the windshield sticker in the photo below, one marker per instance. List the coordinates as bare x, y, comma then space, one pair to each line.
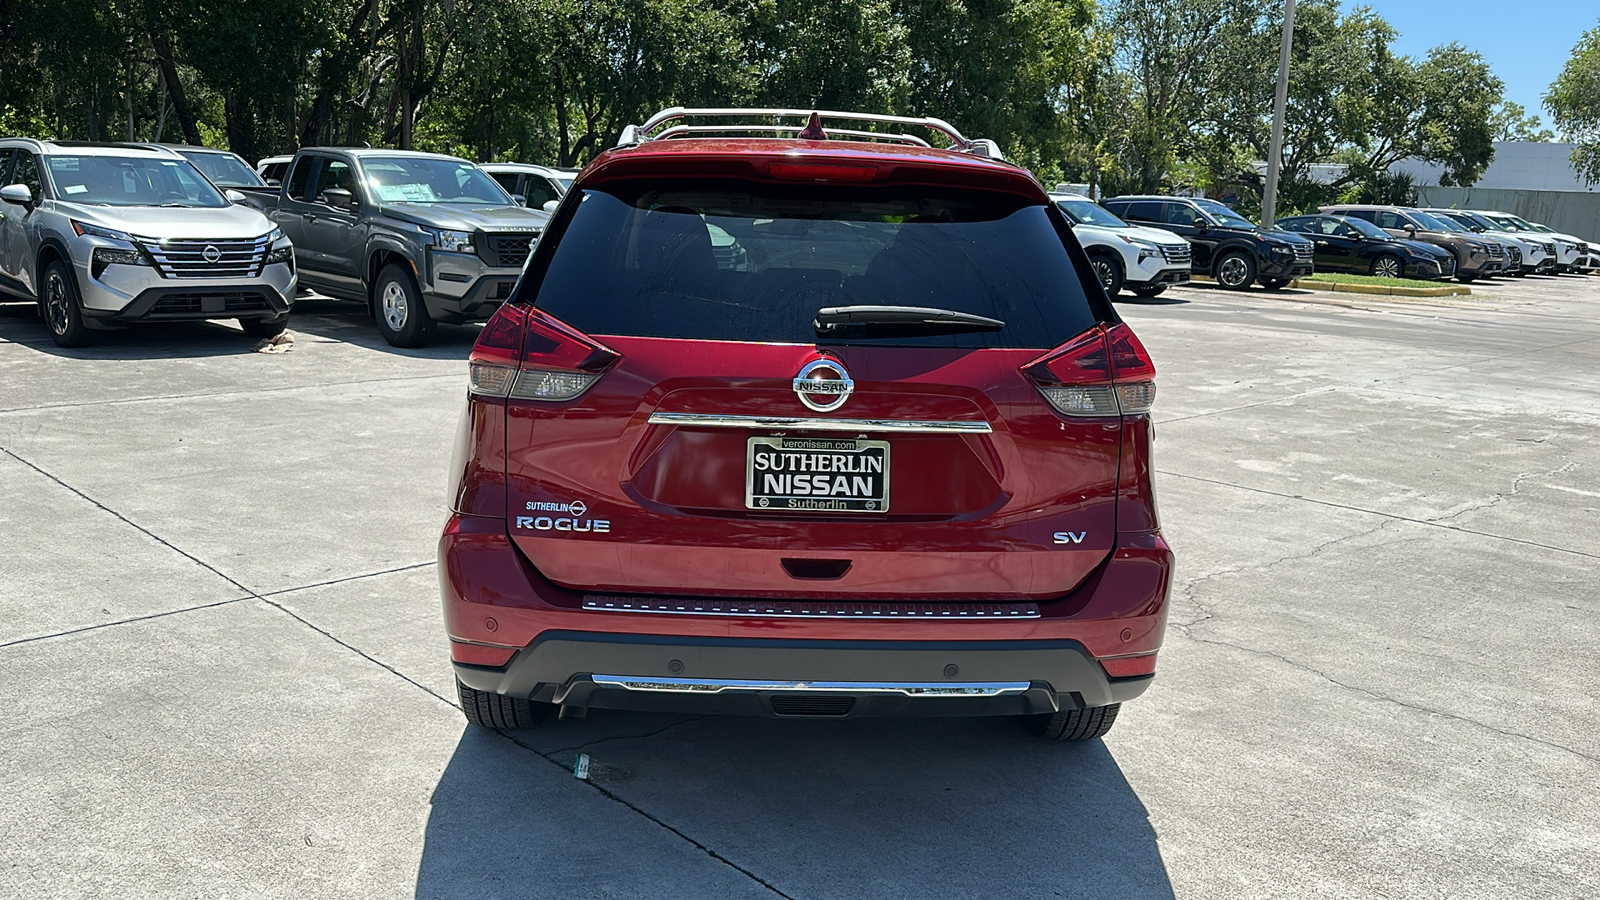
63, 164
406, 193
75, 189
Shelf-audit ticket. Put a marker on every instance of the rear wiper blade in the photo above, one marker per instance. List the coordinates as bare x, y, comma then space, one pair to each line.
833, 318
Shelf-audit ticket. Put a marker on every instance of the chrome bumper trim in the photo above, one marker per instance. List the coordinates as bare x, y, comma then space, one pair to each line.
810, 609
812, 424
718, 685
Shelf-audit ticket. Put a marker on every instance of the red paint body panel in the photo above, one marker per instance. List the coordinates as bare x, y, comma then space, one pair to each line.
482, 577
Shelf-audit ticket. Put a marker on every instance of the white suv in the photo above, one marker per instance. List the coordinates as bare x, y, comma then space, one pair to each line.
104, 235
1144, 260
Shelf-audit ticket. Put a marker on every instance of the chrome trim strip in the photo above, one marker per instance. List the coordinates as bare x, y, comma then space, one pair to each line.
809, 609
718, 685
704, 420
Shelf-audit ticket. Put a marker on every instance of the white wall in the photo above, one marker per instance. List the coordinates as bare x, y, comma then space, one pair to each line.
1517, 166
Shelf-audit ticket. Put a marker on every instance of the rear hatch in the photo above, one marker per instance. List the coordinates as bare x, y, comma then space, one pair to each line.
723, 394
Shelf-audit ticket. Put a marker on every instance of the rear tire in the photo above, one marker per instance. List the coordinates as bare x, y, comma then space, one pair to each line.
403, 318
1108, 269
262, 328
1236, 271
499, 711
1075, 724
63, 313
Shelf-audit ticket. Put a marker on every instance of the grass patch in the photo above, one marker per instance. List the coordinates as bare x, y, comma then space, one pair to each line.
1332, 278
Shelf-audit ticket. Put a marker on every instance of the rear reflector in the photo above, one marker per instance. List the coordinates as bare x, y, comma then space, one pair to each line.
524, 354
480, 654
1129, 666
1102, 372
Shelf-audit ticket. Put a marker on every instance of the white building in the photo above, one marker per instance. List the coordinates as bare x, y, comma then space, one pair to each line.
1517, 166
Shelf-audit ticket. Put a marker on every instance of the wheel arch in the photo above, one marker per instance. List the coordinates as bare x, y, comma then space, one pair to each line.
379, 256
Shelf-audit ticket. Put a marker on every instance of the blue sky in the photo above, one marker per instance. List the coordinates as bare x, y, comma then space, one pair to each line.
1525, 41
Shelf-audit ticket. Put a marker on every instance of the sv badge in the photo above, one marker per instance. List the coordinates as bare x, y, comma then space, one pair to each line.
1071, 537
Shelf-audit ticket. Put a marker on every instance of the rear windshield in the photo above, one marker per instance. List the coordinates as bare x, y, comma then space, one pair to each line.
742, 262
224, 169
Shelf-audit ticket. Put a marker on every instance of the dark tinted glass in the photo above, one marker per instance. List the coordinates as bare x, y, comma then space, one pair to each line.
224, 169
742, 262
1144, 211
26, 171
301, 180
5, 167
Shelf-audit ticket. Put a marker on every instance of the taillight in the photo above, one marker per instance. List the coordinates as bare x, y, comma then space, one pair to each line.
1102, 372
525, 354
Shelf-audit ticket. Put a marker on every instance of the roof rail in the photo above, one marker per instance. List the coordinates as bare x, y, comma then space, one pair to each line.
635, 135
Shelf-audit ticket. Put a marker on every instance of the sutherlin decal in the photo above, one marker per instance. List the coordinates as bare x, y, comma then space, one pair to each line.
574, 521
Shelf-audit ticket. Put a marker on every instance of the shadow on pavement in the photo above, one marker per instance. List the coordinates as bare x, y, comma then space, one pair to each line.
851, 808
347, 321
20, 324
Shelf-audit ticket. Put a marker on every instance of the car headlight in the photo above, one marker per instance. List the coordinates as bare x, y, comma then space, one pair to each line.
84, 228
284, 254
1146, 248
114, 256
274, 236
453, 241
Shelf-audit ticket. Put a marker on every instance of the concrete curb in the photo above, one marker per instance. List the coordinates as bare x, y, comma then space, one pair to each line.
1449, 290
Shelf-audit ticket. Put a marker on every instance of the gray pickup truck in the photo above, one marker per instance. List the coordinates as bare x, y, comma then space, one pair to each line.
419, 237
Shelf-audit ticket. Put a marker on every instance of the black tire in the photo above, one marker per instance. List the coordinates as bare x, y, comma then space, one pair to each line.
1075, 724
403, 318
1387, 265
1466, 279
499, 711
263, 328
1108, 269
63, 312
1235, 270
1150, 290
1275, 284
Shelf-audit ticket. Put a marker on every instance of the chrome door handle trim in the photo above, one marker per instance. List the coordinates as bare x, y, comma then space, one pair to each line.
799, 423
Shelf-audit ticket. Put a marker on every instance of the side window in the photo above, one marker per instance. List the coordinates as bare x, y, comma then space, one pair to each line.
1181, 214
1302, 225
1145, 211
539, 191
5, 166
1333, 227
25, 171
1366, 214
302, 179
1388, 219
507, 180
336, 174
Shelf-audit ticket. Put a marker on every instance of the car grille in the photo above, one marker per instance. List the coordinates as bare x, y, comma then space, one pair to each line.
506, 250
1550, 249
197, 258
1514, 254
217, 303
1176, 253
1494, 251
1303, 252
1447, 265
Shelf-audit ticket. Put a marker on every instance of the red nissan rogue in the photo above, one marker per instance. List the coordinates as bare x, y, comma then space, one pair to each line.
795, 423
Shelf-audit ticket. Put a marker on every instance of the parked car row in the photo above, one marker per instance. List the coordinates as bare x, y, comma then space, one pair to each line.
1132, 243
106, 235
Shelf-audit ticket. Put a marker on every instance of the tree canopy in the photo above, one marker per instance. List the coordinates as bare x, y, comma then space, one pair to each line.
1126, 94
1574, 102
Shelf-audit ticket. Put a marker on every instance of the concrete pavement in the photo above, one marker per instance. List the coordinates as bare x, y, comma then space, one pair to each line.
226, 674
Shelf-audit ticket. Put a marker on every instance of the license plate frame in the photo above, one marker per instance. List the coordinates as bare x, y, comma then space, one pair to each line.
865, 485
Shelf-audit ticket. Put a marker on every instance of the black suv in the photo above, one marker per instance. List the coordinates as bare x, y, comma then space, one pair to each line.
1227, 246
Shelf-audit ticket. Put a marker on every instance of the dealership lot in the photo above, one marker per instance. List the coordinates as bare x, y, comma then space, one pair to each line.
227, 676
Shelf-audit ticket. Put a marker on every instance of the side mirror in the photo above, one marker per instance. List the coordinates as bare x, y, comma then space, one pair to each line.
17, 193
1410, 229
233, 196
519, 199
338, 198
550, 206
1355, 235
1203, 225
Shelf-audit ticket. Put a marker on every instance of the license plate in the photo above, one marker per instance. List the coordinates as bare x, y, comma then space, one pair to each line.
817, 475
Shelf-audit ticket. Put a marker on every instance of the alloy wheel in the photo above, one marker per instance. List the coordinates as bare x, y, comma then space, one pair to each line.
1386, 267
396, 307
55, 303
1104, 272
1233, 271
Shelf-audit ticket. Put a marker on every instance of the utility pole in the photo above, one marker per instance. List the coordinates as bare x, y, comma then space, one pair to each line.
1269, 202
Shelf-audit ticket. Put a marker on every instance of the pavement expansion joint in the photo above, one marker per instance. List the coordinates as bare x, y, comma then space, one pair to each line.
132, 620
1386, 698
1373, 512
622, 737
253, 392
346, 579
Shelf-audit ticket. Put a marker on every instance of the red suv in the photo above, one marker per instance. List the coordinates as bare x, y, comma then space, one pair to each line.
805, 425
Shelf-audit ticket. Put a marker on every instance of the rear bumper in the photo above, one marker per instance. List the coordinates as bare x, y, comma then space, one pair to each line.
498, 607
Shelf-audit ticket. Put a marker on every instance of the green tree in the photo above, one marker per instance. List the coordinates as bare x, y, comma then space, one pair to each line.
1511, 122
1574, 104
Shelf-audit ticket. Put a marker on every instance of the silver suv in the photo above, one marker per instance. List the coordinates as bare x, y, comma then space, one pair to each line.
105, 235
